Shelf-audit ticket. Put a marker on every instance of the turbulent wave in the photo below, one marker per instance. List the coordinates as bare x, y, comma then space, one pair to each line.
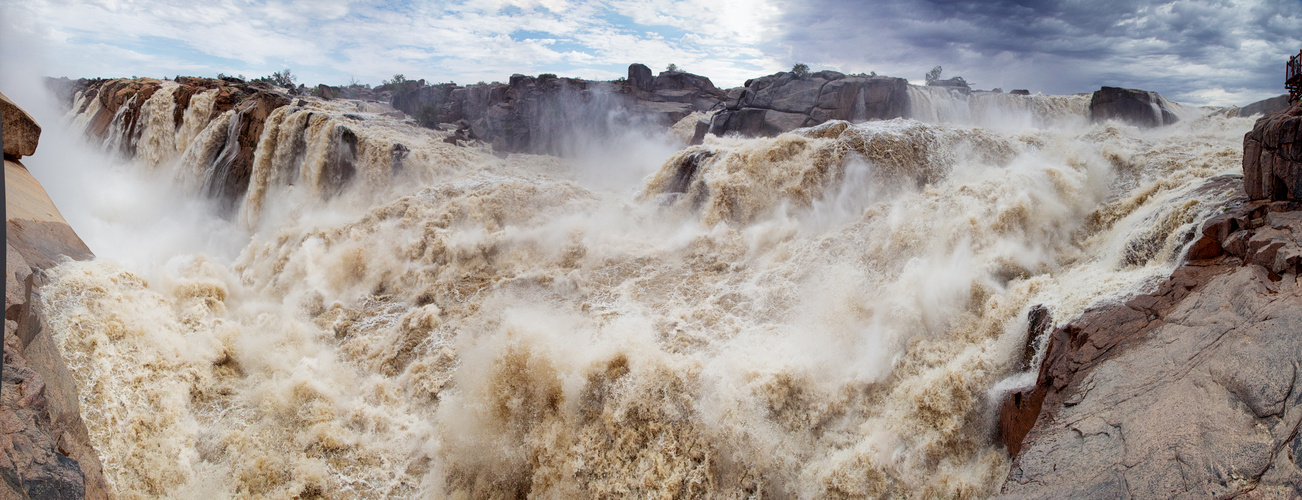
827, 313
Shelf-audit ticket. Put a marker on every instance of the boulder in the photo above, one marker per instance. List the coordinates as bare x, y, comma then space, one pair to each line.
640, 78
1136, 107
783, 102
328, 92
21, 132
1272, 156
1189, 390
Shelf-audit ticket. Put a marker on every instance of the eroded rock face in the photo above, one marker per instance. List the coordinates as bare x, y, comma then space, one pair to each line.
1272, 156
553, 115
21, 132
783, 102
45, 450
1191, 390
122, 100
1136, 107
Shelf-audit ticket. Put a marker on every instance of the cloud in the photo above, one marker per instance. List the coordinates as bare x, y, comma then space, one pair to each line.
333, 41
1202, 52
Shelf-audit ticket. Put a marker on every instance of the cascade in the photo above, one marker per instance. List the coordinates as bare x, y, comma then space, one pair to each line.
828, 312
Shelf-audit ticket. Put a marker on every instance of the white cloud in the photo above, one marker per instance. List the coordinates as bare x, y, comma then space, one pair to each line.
332, 40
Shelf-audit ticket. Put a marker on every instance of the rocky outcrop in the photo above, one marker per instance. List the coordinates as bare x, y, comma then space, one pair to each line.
1136, 107
957, 83
1272, 156
784, 101
233, 166
21, 133
118, 122
1265, 106
45, 450
1190, 390
553, 115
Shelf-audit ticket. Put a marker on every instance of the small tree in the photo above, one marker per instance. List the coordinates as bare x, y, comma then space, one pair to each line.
397, 80
672, 68
934, 74
283, 78
801, 70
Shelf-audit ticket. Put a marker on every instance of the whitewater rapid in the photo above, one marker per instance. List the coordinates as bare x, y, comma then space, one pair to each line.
832, 312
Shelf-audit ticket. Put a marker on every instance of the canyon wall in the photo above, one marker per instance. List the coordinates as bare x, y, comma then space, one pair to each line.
45, 450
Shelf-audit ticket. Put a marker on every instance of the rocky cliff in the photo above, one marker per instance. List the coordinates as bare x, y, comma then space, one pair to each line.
785, 101
553, 115
45, 450
120, 105
1272, 156
1190, 389
1138, 107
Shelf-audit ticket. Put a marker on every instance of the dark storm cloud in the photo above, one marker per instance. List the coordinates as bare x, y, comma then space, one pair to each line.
1198, 51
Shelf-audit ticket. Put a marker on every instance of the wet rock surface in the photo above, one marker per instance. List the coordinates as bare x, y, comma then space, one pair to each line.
1272, 156
45, 449
1190, 390
122, 102
783, 102
1137, 107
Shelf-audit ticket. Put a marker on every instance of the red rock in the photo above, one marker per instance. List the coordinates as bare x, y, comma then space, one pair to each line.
21, 132
1272, 156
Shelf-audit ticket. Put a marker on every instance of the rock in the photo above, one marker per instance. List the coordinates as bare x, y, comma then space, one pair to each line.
552, 115
229, 178
21, 132
1265, 106
1020, 92
956, 83
639, 76
1189, 390
1272, 156
34, 226
327, 92
45, 449
782, 102
1137, 107
232, 160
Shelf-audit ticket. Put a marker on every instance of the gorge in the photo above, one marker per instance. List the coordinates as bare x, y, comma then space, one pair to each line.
812, 286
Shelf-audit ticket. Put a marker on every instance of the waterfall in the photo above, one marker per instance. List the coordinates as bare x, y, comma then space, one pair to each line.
997, 110
830, 312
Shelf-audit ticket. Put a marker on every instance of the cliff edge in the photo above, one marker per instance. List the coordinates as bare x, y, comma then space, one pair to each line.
45, 450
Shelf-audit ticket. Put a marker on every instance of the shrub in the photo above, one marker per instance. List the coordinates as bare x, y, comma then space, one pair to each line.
934, 74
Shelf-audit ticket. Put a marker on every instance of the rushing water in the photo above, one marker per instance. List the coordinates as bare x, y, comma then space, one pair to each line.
832, 312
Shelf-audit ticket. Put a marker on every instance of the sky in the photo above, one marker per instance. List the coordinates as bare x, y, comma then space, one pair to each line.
1201, 52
